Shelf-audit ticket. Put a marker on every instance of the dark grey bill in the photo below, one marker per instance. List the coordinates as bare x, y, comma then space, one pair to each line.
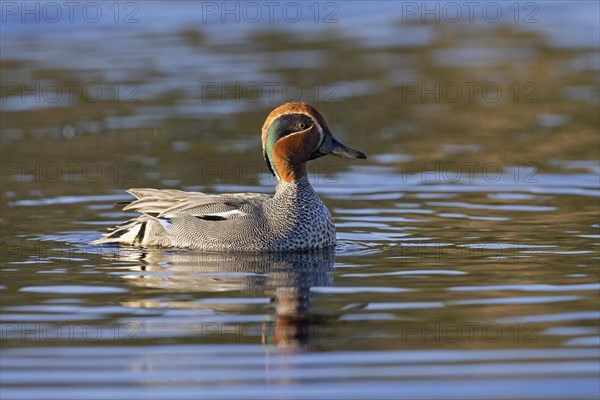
332, 146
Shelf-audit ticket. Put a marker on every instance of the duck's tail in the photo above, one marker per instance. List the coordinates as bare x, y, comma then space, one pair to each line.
135, 232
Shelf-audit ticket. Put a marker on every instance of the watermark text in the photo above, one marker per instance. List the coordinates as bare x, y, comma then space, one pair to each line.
52, 12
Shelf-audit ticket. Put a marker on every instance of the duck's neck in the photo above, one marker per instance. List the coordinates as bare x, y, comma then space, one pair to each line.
288, 170
296, 189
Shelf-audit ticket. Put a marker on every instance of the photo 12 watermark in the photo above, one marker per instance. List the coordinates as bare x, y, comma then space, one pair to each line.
467, 332
453, 12
68, 92
271, 92
70, 172
132, 332
324, 171
43, 332
468, 172
468, 92
253, 12
70, 12
475, 253
18, 251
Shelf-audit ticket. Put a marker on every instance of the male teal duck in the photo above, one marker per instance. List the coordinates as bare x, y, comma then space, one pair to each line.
294, 218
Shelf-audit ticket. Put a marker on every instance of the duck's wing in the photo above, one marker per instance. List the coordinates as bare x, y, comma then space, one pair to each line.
168, 203
160, 207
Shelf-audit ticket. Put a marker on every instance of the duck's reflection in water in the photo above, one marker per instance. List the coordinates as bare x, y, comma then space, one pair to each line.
285, 278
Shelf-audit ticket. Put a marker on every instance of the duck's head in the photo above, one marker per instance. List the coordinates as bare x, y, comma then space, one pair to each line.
295, 133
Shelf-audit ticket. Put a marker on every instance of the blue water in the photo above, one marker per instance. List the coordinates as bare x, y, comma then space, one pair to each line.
468, 241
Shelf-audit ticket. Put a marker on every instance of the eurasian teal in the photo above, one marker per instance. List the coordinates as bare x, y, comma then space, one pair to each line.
294, 218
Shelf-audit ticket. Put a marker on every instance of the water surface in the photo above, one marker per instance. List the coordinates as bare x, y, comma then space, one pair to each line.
468, 242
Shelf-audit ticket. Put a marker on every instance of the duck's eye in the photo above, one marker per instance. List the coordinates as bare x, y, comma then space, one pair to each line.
302, 125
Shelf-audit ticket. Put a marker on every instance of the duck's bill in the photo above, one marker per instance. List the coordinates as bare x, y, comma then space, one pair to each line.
332, 146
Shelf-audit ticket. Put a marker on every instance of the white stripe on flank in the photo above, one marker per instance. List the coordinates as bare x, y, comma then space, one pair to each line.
226, 214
